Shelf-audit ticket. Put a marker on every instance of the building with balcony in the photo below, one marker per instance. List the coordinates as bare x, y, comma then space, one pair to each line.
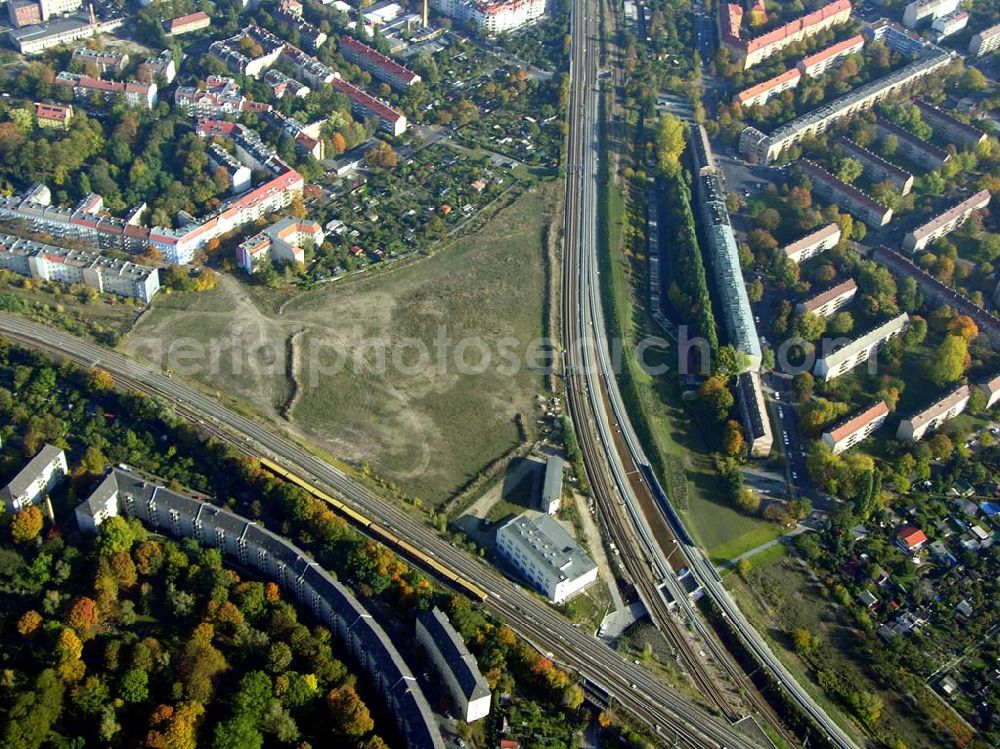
767, 90
454, 664
830, 302
106, 61
380, 66
489, 17
842, 360
917, 426
876, 168
984, 42
283, 241
753, 414
846, 197
232, 51
364, 105
949, 25
821, 240
133, 93
945, 223
946, 126
858, 427
817, 64
920, 152
546, 556
33, 483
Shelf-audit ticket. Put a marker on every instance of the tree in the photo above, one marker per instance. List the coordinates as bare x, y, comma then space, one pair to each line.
964, 326
850, 170
841, 323
949, 361
239, 732
28, 624
381, 157
100, 380
747, 500
350, 715
671, 135
68, 646
605, 719
732, 441
715, 394
83, 616
810, 326
26, 525
134, 686
972, 80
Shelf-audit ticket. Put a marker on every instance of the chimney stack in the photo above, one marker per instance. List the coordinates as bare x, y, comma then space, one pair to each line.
426, 15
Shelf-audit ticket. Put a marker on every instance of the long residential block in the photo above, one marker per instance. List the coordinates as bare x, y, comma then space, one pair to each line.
898, 38
251, 545
858, 427
33, 482
455, 664
134, 94
766, 90
546, 556
753, 412
766, 148
814, 243
909, 145
949, 24
816, 65
380, 66
47, 262
917, 426
922, 12
492, 17
843, 360
365, 105
984, 42
877, 168
829, 302
945, 223
947, 126
847, 197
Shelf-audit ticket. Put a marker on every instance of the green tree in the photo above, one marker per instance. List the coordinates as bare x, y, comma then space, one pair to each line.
949, 361
671, 135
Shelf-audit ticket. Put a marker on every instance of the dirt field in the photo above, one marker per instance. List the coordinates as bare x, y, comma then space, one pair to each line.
365, 388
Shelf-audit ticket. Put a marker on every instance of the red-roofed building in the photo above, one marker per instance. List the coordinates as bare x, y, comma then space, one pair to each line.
53, 115
911, 539
188, 23
381, 67
365, 105
760, 48
859, 427
765, 90
817, 64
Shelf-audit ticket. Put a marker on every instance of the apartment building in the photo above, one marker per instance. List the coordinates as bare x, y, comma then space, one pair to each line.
843, 360
898, 38
218, 98
829, 302
753, 414
812, 244
282, 84
816, 65
34, 482
230, 51
767, 90
756, 145
916, 427
291, 13
492, 18
949, 25
380, 66
925, 154
945, 223
238, 174
958, 132
308, 67
153, 69
46, 262
991, 389
364, 105
283, 241
107, 61
846, 197
858, 427
727, 275
546, 556
730, 18
923, 12
984, 42
53, 115
455, 665
876, 168
24, 13
134, 94
187, 24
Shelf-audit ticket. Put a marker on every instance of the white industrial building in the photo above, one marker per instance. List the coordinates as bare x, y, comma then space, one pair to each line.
860, 350
914, 428
857, 428
546, 556
456, 665
33, 482
552, 485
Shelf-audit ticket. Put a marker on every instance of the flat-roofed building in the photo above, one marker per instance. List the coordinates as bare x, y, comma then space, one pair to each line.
455, 664
552, 485
828, 302
766, 90
24, 13
817, 64
846, 197
922, 12
916, 427
877, 168
766, 148
991, 389
753, 412
821, 240
958, 132
546, 556
238, 174
858, 427
843, 360
897, 37
950, 24
909, 145
33, 482
985, 41
945, 223
58, 30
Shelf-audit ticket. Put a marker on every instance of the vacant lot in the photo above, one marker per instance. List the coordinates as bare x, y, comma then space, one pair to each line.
374, 358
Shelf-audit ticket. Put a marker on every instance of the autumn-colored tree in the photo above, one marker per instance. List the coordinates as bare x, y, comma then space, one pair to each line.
68, 646
206, 280
732, 440
964, 326
123, 569
83, 616
28, 624
350, 715
148, 557
26, 525
181, 731
100, 380
605, 719
338, 143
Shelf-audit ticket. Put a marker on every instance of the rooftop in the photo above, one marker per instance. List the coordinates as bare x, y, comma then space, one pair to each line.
861, 344
980, 200
778, 80
27, 475
833, 50
859, 421
452, 648
823, 297
936, 410
377, 58
549, 545
815, 237
816, 172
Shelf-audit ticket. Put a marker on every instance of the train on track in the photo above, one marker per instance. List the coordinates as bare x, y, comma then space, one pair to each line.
380, 533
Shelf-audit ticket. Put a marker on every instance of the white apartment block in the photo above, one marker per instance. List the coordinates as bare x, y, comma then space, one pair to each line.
455, 664
859, 427
860, 350
922, 12
829, 302
945, 223
813, 243
914, 428
33, 482
546, 556
52, 8
282, 241
991, 389
492, 18
950, 24
985, 41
